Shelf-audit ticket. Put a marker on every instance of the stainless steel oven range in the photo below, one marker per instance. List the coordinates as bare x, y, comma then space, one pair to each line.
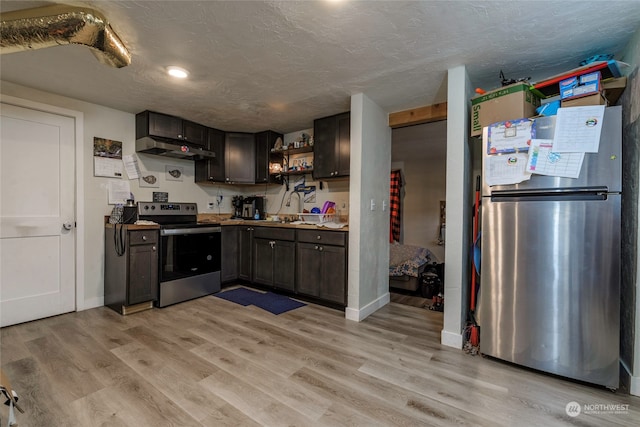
189, 253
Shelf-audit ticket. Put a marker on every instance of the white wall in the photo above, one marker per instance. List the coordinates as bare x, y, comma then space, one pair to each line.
458, 207
368, 229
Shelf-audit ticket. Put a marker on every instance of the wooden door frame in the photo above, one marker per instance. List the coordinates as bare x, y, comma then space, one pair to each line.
418, 116
78, 118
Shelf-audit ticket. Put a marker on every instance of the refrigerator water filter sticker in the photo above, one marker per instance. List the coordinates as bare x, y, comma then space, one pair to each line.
506, 169
544, 160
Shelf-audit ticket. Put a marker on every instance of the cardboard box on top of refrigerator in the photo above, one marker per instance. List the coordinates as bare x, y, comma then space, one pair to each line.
507, 103
576, 87
595, 99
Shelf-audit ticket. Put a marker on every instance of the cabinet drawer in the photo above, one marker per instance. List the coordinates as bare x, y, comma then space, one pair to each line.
338, 238
143, 237
275, 233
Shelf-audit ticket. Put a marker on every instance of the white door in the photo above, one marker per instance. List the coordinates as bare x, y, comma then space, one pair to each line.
37, 220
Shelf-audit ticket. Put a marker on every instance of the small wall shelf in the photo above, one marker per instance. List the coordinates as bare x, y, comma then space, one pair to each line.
286, 161
289, 152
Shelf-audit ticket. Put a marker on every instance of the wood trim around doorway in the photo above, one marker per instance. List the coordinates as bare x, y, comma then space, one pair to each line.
420, 115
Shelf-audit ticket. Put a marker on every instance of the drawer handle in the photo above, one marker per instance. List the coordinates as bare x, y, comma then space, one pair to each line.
318, 237
153, 248
316, 247
144, 238
321, 249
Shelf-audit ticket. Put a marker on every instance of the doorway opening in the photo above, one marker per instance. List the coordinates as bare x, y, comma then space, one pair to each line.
419, 153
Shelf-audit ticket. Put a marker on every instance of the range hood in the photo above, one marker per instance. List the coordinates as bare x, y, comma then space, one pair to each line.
175, 149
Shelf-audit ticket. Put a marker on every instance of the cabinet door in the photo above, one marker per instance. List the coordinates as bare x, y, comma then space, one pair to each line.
240, 158
245, 249
194, 133
212, 170
308, 269
165, 126
333, 272
284, 254
263, 256
343, 144
324, 147
230, 255
143, 274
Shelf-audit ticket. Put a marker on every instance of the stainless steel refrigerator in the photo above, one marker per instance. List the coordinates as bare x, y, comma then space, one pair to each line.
550, 271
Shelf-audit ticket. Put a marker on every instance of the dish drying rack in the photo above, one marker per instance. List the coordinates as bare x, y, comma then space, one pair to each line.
316, 218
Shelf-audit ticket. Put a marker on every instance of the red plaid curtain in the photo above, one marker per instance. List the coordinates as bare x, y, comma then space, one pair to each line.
394, 206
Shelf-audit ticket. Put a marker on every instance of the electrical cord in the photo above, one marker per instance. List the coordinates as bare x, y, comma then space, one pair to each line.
118, 239
281, 202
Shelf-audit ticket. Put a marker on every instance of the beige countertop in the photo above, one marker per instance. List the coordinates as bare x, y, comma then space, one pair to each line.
136, 227
208, 218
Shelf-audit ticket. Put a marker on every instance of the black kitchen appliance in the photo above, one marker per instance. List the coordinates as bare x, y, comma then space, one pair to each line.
237, 202
252, 207
130, 212
189, 253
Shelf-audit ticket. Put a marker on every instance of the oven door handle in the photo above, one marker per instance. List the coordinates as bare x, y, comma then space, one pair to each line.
180, 231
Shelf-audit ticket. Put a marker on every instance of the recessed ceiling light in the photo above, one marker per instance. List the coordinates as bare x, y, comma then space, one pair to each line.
177, 72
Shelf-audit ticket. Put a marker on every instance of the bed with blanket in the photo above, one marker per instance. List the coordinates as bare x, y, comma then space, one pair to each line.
406, 264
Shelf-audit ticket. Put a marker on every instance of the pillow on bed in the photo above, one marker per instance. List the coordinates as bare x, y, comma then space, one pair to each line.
407, 259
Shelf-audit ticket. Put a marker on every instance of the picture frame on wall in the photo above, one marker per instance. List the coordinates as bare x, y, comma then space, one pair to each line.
173, 173
149, 180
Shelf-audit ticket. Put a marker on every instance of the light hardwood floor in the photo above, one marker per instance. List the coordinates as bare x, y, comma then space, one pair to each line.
411, 299
210, 362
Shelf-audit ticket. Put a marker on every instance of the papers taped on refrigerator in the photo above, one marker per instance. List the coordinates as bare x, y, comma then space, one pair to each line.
578, 129
544, 160
506, 169
512, 136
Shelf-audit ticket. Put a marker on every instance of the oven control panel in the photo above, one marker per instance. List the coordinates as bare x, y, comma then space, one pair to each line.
165, 208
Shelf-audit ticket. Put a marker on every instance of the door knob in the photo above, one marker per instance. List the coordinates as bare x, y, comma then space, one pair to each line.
67, 225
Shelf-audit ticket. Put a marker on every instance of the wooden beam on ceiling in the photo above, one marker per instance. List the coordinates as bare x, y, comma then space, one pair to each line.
417, 116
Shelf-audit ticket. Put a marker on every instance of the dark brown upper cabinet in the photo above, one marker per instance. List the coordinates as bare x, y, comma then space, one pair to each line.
332, 146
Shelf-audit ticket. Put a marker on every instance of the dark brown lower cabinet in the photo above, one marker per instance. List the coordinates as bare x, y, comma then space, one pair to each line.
230, 253
274, 257
309, 262
245, 253
130, 276
321, 262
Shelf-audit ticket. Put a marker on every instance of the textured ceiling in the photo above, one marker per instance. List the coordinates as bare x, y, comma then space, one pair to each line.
259, 65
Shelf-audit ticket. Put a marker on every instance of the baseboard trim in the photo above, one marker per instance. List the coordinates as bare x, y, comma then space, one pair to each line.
358, 315
634, 387
91, 303
627, 381
450, 339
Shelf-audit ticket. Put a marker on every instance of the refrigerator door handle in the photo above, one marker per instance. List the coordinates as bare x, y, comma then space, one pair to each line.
551, 196
565, 190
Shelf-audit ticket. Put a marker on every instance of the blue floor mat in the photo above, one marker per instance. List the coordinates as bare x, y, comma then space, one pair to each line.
240, 296
276, 304
273, 303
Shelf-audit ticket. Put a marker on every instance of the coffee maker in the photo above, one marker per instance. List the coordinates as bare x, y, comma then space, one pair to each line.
237, 202
251, 206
